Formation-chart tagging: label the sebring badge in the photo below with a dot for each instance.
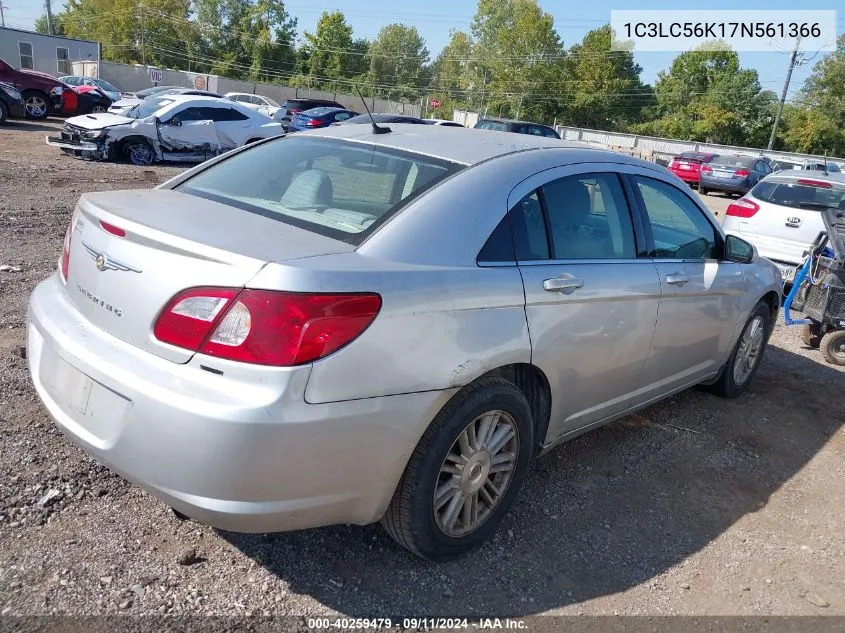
(104, 262)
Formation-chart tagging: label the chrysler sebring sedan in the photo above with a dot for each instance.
(350, 327)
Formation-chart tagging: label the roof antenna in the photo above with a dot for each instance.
(376, 128)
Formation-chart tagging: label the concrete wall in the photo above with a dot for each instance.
(133, 78)
(44, 50)
(465, 118)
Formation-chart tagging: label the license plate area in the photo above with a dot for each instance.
(787, 271)
(68, 386)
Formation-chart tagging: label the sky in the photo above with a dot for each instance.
(435, 18)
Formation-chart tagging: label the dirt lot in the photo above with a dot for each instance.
(694, 506)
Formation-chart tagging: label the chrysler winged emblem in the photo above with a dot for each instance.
(104, 262)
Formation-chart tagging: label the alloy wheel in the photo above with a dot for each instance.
(476, 473)
(35, 106)
(749, 350)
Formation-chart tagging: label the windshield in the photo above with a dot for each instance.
(799, 196)
(270, 102)
(337, 188)
(104, 85)
(148, 107)
(733, 161)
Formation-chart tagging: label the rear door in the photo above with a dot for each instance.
(591, 303)
(700, 293)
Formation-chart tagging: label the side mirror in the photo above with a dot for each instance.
(739, 251)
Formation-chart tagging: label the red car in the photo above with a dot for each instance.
(687, 166)
(34, 86)
(73, 100)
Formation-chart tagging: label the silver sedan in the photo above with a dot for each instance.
(347, 327)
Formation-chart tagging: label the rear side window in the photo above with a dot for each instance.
(340, 189)
(793, 194)
(499, 126)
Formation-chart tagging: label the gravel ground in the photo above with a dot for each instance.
(694, 506)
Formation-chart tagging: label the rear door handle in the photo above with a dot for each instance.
(563, 284)
(677, 279)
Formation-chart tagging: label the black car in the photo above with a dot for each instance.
(519, 127)
(294, 106)
(11, 103)
(385, 118)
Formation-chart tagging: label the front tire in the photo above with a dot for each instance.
(703, 190)
(36, 104)
(138, 152)
(465, 472)
(833, 347)
(738, 372)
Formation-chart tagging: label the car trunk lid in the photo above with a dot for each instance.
(132, 251)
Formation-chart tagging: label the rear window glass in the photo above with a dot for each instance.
(499, 126)
(791, 194)
(340, 189)
(733, 161)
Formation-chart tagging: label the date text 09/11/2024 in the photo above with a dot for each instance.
(721, 29)
(418, 624)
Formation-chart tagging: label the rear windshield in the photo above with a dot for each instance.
(733, 161)
(336, 188)
(499, 126)
(792, 194)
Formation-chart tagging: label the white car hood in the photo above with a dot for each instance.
(98, 121)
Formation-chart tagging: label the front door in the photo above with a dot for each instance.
(701, 293)
(591, 303)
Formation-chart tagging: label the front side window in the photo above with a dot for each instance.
(63, 60)
(220, 114)
(25, 50)
(679, 228)
(589, 217)
(341, 189)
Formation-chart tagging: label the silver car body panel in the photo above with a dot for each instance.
(253, 448)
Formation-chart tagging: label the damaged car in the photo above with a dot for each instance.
(170, 128)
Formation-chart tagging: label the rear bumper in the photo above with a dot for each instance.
(720, 184)
(687, 176)
(240, 454)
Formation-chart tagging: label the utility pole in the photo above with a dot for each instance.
(143, 47)
(2, 17)
(49, 17)
(792, 64)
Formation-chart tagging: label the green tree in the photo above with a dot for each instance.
(450, 74)
(518, 59)
(398, 58)
(58, 24)
(603, 87)
(327, 50)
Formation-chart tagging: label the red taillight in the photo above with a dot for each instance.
(742, 173)
(312, 123)
(706, 170)
(674, 163)
(265, 327)
(814, 183)
(742, 208)
(114, 230)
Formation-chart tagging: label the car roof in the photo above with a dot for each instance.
(836, 178)
(474, 147)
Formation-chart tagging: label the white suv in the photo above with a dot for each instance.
(781, 214)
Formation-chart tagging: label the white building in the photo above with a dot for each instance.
(45, 53)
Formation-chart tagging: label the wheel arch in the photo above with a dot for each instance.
(534, 385)
(773, 300)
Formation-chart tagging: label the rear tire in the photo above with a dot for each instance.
(450, 499)
(811, 336)
(739, 371)
(833, 347)
(36, 104)
(703, 190)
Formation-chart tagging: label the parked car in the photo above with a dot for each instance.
(781, 215)
(178, 128)
(256, 102)
(820, 165)
(732, 174)
(382, 117)
(293, 106)
(334, 327)
(443, 122)
(519, 127)
(108, 89)
(149, 92)
(73, 100)
(35, 88)
(687, 165)
(11, 103)
(124, 105)
(319, 117)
